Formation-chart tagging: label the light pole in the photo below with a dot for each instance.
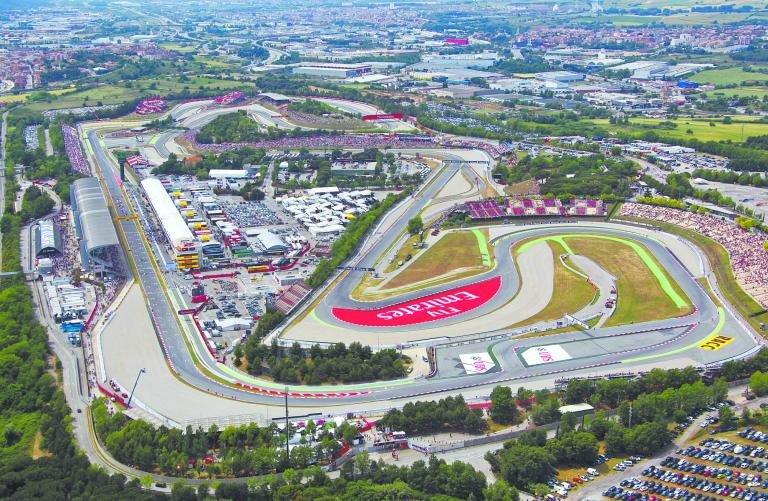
(287, 431)
(141, 371)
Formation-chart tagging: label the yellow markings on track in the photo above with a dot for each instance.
(716, 343)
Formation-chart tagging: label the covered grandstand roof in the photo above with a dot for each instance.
(95, 219)
(47, 238)
(176, 230)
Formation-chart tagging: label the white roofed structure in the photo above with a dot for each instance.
(174, 227)
(228, 173)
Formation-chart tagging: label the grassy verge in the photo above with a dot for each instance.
(455, 251)
(640, 294)
(571, 292)
(721, 266)
(405, 249)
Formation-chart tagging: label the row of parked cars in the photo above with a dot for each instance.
(716, 472)
(753, 435)
(707, 485)
(627, 463)
(649, 490)
(738, 473)
(562, 488)
(727, 460)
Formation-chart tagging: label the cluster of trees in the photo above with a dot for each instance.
(758, 383)
(240, 451)
(35, 204)
(251, 191)
(30, 401)
(347, 243)
(239, 128)
(337, 363)
(363, 479)
(530, 460)
(530, 64)
(592, 175)
(236, 159)
(742, 178)
(662, 201)
(252, 450)
(421, 418)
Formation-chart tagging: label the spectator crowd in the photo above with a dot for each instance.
(73, 149)
(749, 258)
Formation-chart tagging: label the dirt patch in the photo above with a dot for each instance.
(37, 450)
(529, 187)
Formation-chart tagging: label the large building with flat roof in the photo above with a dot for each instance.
(93, 223)
(333, 70)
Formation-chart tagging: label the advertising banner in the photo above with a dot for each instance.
(477, 363)
(426, 309)
(538, 355)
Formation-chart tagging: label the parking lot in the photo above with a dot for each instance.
(733, 465)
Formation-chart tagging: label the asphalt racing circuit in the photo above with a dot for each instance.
(465, 321)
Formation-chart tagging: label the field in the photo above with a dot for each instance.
(728, 76)
(105, 94)
(193, 83)
(571, 292)
(700, 128)
(455, 251)
(640, 296)
(118, 94)
(178, 48)
(747, 91)
(18, 98)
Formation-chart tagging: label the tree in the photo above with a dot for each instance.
(415, 225)
(615, 440)
(503, 406)
(501, 491)
(522, 465)
(647, 438)
(727, 418)
(758, 383)
(567, 423)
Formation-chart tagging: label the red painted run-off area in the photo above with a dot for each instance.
(426, 309)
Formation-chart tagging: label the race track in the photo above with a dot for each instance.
(525, 286)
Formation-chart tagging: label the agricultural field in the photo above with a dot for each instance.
(700, 128)
(728, 76)
(749, 91)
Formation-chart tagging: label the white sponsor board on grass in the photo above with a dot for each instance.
(545, 354)
(477, 363)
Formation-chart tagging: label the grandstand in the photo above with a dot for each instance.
(229, 98)
(534, 207)
(151, 105)
(292, 296)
